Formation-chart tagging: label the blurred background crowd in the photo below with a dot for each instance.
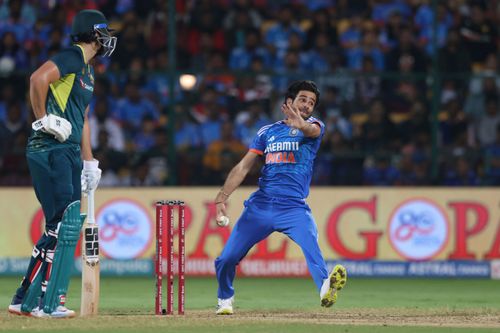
(410, 88)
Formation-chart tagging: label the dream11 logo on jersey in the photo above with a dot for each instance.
(125, 229)
(418, 229)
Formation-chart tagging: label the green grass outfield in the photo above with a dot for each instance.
(281, 305)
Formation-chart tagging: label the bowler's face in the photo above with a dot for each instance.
(305, 102)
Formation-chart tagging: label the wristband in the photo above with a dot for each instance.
(91, 165)
(224, 193)
(39, 124)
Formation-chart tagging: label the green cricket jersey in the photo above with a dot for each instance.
(67, 98)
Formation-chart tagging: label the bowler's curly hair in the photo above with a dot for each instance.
(297, 86)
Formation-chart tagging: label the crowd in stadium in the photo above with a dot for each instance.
(375, 62)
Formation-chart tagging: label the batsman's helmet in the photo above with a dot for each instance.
(90, 25)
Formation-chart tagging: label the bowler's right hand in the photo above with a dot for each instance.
(220, 209)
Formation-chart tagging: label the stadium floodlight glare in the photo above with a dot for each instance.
(187, 81)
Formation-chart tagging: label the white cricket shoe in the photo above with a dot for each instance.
(225, 306)
(60, 312)
(16, 309)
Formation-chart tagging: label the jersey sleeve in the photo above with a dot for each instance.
(258, 144)
(313, 120)
(68, 61)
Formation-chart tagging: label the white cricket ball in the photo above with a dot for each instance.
(222, 221)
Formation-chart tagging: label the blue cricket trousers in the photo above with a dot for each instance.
(262, 216)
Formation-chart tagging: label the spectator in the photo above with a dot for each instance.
(319, 55)
(368, 84)
(19, 25)
(378, 130)
(145, 137)
(221, 155)
(10, 49)
(480, 35)
(486, 125)
(424, 20)
(453, 57)
(382, 9)
(132, 43)
(322, 24)
(492, 154)
(406, 52)
(101, 120)
(485, 85)
(250, 121)
(278, 36)
(389, 36)
(460, 173)
(205, 29)
(241, 57)
(351, 37)
(369, 47)
(156, 30)
(418, 121)
(454, 126)
(381, 173)
(132, 108)
(188, 148)
(7, 97)
(239, 20)
(157, 158)
(114, 163)
(13, 124)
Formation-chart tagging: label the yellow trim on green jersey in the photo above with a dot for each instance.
(83, 53)
(62, 88)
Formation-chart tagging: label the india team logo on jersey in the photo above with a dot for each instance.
(293, 132)
(281, 152)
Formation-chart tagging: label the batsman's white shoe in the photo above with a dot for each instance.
(60, 312)
(335, 282)
(225, 306)
(16, 309)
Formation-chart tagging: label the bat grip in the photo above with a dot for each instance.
(90, 208)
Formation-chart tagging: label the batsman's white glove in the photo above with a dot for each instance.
(91, 174)
(59, 127)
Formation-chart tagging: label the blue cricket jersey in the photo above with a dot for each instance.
(289, 158)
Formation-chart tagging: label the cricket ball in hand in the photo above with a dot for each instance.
(222, 221)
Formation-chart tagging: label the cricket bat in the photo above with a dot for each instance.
(90, 262)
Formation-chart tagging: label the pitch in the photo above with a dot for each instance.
(282, 305)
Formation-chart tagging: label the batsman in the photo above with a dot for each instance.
(60, 92)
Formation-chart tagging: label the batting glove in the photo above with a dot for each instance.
(91, 174)
(59, 127)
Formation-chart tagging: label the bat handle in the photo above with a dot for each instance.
(90, 208)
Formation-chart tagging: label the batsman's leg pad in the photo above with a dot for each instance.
(36, 273)
(69, 233)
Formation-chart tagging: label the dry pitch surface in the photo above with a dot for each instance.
(282, 305)
(206, 321)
